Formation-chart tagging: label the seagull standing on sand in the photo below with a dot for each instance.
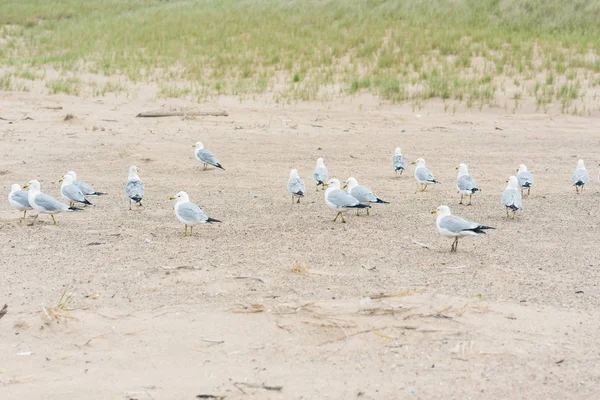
(43, 203)
(465, 183)
(339, 200)
(19, 199)
(456, 227)
(296, 185)
(361, 193)
(320, 175)
(525, 179)
(511, 198)
(206, 157)
(188, 213)
(134, 187)
(580, 177)
(398, 162)
(423, 175)
(71, 192)
(86, 188)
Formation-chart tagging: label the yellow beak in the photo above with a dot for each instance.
(325, 185)
(414, 163)
(26, 186)
(345, 186)
(193, 145)
(456, 168)
(171, 198)
(507, 181)
(60, 181)
(433, 211)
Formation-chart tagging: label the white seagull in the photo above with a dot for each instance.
(85, 187)
(206, 157)
(525, 179)
(296, 185)
(188, 213)
(511, 197)
(580, 177)
(339, 200)
(134, 187)
(465, 183)
(320, 175)
(456, 227)
(423, 175)
(19, 199)
(43, 203)
(398, 161)
(361, 193)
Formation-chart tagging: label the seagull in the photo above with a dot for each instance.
(456, 227)
(580, 177)
(465, 183)
(398, 162)
(511, 198)
(296, 186)
(134, 187)
(19, 199)
(71, 192)
(423, 175)
(188, 213)
(206, 157)
(320, 174)
(43, 203)
(361, 193)
(525, 179)
(86, 188)
(339, 200)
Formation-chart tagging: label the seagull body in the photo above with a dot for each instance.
(134, 187)
(296, 185)
(71, 192)
(206, 157)
(452, 226)
(423, 175)
(465, 183)
(339, 200)
(525, 179)
(19, 199)
(361, 193)
(85, 188)
(511, 198)
(43, 203)
(580, 177)
(398, 161)
(320, 175)
(189, 213)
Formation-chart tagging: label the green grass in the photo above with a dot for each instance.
(410, 50)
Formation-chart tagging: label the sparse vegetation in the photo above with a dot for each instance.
(460, 50)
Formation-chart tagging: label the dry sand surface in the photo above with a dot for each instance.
(514, 314)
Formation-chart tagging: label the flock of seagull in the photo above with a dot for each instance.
(352, 196)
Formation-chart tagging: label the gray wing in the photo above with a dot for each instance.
(73, 193)
(399, 162)
(466, 182)
(135, 189)
(296, 186)
(49, 203)
(580, 175)
(21, 197)
(191, 212)
(424, 174)
(84, 187)
(512, 197)
(363, 194)
(525, 179)
(342, 199)
(320, 175)
(456, 224)
(207, 157)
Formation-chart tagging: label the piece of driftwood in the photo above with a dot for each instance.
(182, 113)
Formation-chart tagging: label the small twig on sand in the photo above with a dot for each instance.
(3, 311)
(168, 268)
(255, 386)
(425, 246)
(209, 396)
(187, 113)
(212, 340)
(250, 277)
(95, 337)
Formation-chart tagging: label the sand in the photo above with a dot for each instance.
(514, 314)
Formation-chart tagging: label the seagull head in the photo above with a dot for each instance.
(398, 151)
(33, 186)
(442, 211)
(294, 174)
(462, 169)
(15, 187)
(333, 184)
(580, 164)
(351, 183)
(320, 162)
(419, 162)
(72, 174)
(181, 197)
(66, 180)
(198, 146)
(522, 168)
(133, 172)
(513, 183)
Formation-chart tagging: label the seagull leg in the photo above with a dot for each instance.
(577, 189)
(343, 220)
(461, 198)
(297, 201)
(24, 213)
(456, 244)
(368, 212)
(507, 212)
(53, 219)
(34, 218)
(337, 215)
(191, 227)
(396, 171)
(470, 199)
(522, 194)
(129, 204)
(528, 191)
(401, 171)
(292, 199)
(424, 187)
(357, 214)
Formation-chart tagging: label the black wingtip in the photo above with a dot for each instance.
(137, 199)
(579, 183)
(399, 169)
(299, 193)
(513, 207)
(99, 194)
(527, 185)
(382, 201)
(87, 203)
(219, 166)
(211, 220)
(75, 209)
(475, 190)
(360, 206)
